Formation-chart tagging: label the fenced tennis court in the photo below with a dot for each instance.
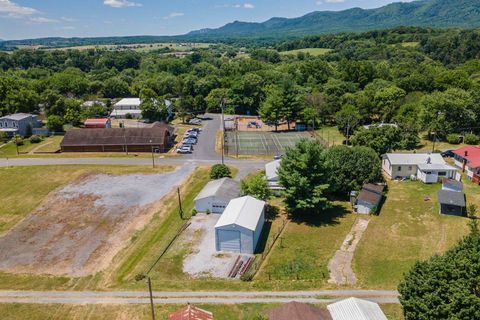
(258, 143)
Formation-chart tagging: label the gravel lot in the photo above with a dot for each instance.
(79, 228)
(204, 260)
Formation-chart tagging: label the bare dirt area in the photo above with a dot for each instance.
(79, 228)
(204, 260)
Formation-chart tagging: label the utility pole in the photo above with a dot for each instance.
(125, 139)
(16, 143)
(180, 203)
(222, 105)
(151, 297)
(153, 158)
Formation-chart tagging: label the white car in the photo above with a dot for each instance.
(185, 149)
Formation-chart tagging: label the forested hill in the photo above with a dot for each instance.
(426, 13)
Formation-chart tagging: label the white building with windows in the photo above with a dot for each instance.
(240, 226)
(427, 167)
(271, 173)
(131, 106)
(216, 195)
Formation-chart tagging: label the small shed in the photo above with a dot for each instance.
(271, 173)
(297, 311)
(216, 195)
(452, 185)
(369, 198)
(356, 309)
(240, 226)
(452, 202)
(191, 313)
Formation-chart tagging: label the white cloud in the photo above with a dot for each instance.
(174, 15)
(67, 19)
(237, 6)
(12, 8)
(121, 3)
(68, 28)
(43, 20)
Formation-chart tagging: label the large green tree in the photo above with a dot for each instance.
(350, 167)
(445, 286)
(303, 175)
(255, 185)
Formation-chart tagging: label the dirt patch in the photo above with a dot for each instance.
(79, 228)
(204, 260)
(340, 267)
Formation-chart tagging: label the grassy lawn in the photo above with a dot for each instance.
(18, 311)
(427, 145)
(300, 259)
(408, 228)
(331, 135)
(311, 51)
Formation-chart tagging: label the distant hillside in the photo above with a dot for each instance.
(425, 13)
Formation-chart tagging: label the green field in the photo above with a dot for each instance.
(140, 47)
(331, 135)
(311, 51)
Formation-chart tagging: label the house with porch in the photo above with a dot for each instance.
(468, 159)
(19, 123)
(427, 167)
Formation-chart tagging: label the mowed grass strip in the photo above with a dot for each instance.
(408, 228)
(300, 258)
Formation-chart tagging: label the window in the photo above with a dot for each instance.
(410, 168)
(399, 169)
(442, 173)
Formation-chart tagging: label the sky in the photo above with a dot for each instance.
(26, 19)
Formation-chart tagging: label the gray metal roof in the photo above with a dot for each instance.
(414, 158)
(436, 167)
(17, 116)
(245, 212)
(453, 198)
(271, 170)
(224, 188)
(453, 184)
(356, 309)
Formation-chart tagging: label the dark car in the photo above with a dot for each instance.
(447, 154)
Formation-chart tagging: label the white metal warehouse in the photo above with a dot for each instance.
(356, 309)
(240, 226)
(215, 196)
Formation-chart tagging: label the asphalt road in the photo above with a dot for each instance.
(218, 297)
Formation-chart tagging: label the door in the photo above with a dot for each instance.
(229, 240)
(218, 207)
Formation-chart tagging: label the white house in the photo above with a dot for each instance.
(355, 309)
(240, 226)
(131, 106)
(216, 195)
(427, 167)
(271, 173)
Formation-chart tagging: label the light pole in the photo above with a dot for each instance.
(151, 297)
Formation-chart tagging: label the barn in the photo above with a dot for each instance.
(240, 226)
(157, 138)
(355, 309)
(97, 123)
(216, 195)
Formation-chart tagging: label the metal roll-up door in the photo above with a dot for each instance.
(229, 240)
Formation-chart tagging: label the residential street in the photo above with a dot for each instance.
(220, 297)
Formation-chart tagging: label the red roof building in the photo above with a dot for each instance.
(468, 158)
(191, 313)
(97, 123)
(297, 311)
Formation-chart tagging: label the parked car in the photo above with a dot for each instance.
(447, 154)
(189, 141)
(185, 149)
(277, 157)
(197, 130)
(195, 121)
(192, 134)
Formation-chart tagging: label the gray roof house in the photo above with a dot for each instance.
(216, 195)
(356, 309)
(452, 202)
(19, 123)
(369, 198)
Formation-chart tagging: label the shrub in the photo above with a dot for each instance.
(18, 141)
(471, 138)
(453, 138)
(140, 276)
(35, 139)
(207, 211)
(219, 171)
(128, 116)
(55, 123)
(194, 212)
